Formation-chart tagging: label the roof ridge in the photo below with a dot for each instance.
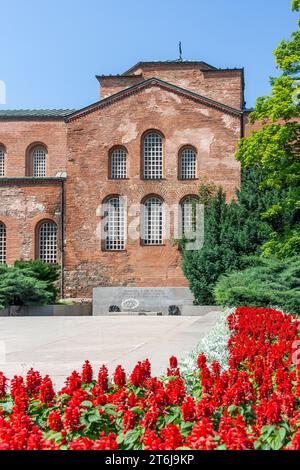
(177, 61)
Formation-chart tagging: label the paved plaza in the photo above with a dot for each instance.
(58, 345)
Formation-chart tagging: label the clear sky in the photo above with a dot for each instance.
(50, 50)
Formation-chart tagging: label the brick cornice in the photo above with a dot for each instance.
(27, 180)
(149, 83)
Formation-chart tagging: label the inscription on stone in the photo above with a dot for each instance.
(140, 299)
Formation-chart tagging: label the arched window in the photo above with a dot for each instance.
(152, 223)
(38, 162)
(188, 163)
(2, 243)
(118, 168)
(188, 215)
(114, 227)
(47, 242)
(2, 161)
(153, 156)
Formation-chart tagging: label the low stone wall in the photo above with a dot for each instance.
(140, 299)
(77, 310)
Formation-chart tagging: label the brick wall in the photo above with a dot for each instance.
(23, 206)
(212, 132)
(18, 136)
(224, 86)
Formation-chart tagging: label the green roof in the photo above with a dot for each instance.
(35, 113)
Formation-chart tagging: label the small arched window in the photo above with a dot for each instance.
(2, 243)
(114, 220)
(38, 162)
(153, 155)
(47, 242)
(152, 222)
(2, 161)
(188, 163)
(188, 215)
(118, 167)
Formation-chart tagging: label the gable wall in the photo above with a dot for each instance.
(90, 138)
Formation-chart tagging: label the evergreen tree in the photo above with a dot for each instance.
(231, 231)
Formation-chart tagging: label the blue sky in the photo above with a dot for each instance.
(51, 50)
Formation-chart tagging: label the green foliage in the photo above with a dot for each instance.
(231, 231)
(28, 283)
(265, 282)
(295, 5)
(48, 273)
(275, 147)
(17, 288)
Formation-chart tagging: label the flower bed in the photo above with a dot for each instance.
(254, 404)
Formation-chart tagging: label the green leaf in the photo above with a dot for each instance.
(87, 404)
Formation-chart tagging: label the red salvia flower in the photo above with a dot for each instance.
(87, 373)
(103, 378)
(47, 393)
(120, 377)
(54, 421)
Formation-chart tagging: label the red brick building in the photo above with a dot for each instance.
(157, 130)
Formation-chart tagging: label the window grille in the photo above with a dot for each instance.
(188, 164)
(2, 243)
(188, 213)
(118, 164)
(48, 242)
(114, 224)
(153, 156)
(39, 163)
(2, 162)
(153, 221)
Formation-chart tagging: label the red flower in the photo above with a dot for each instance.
(173, 362)
(171, 436)
(3, 385)
(106, 442)
(202, 436)
(81, 443)
(47, 393)
(72, 418)
(188, 409)
(54, 421)
(175, 391)
(16, 384)
(72, 383)
(119, 377)
(129, 420)
(103, 378)
(33, 381)
(150, 418)
(150, 440)
(87, 373)
(295, 445)
(201, 361)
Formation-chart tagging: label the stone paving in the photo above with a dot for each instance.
(58, 345)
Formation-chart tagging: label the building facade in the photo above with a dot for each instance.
(74, 183)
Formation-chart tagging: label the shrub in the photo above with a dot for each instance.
(17, 288)
(28, 283)
(48, 273)
(265, 281)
